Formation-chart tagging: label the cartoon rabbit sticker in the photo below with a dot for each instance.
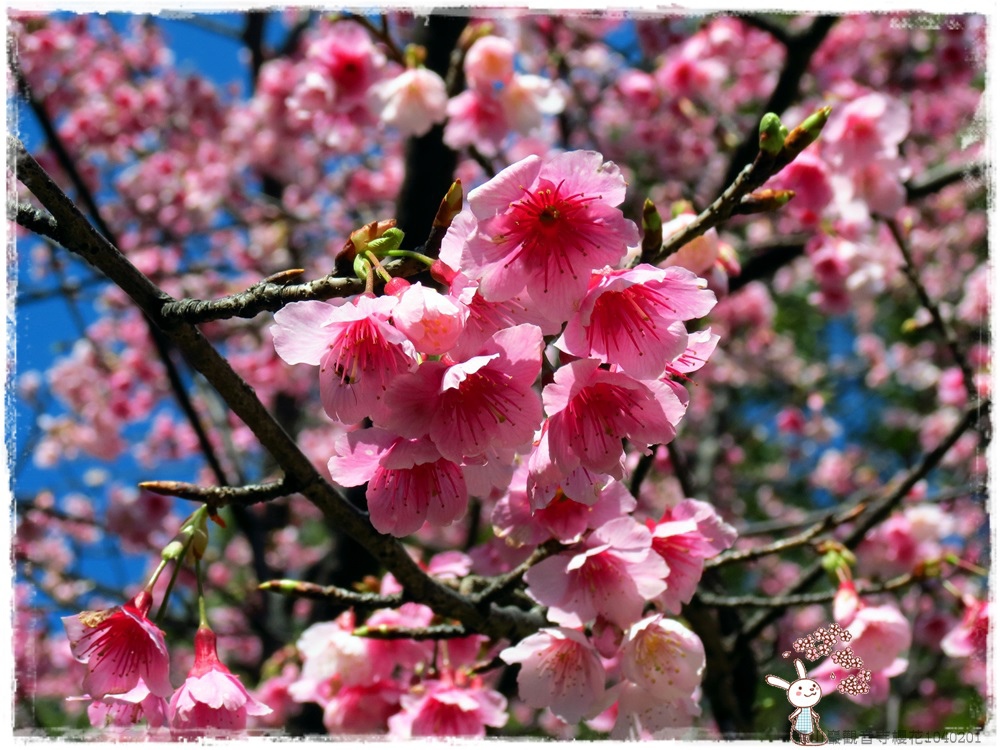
(803, 693)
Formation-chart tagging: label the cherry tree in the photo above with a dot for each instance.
(498, 374)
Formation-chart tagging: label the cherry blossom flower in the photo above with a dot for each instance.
(631, 318)
(969, 637)
(442, 708)
(409, 482)
(474, 409)
(591, 410)
(413, 101)
(120, 647)
(643, 715)
(663, 658)
(362, 709)
(685, 537)
(211, 698)
(560, 670)
(613, 573)
(432, 321)
(548, 223)
(129, 708)
(358, 352)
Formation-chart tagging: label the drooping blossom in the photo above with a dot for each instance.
(442, 708)
(641, 715)
(685, 537)
(613, 573)
(547, 224)
(474, 409)
(358, 352)
(127, 709)
(591, 410)
(563, 518)
(631, 317)
(212, 697)
(409, 482)
(560, 670)
(663, 657)
(120, 647)
(412, 102)
(969, 637)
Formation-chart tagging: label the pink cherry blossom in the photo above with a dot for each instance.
(613, 573)
(212, 698)
(560, 670)
(866, 129)
(685, 537)
(591, 410)
(431, 320)
(120, 647)
(409, 482)
(663, 657)
(412, 102)
(970, 636)
(358, 352)
(489, 63)
(129, 708)
(631, 318)
(698, 255)
(474, 409)
(362, 709)
(442, 708)
(643, 715)
(548, 223)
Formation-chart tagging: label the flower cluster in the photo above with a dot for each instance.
(128, 678)
(821, 641)
(847, 659)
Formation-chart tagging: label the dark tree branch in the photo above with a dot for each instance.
(942, 177)
(800, 48)
(82, 239)
(877, 512)
(429, 164)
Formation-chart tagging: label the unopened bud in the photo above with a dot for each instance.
(414, 55)
(681, 207)
(763, 201)
(771, 139)
(652, 228)
(361, 238)
(442, 272)
(451, 205)
(396, 286)
(801, 137)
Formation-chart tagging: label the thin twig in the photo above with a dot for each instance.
(830, 521)
(220, 497)
(878, 511)
(910, 269)
(306, 590)
(796, 600)
(429, 633)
